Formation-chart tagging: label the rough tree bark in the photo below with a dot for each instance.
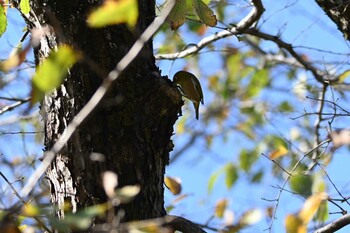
(132, 126)
(339, 12)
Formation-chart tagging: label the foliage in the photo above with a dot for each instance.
(272, 111)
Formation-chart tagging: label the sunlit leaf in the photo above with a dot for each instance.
(177, 15)
(231, 175)
(52, 72)
(212, 180)
(322, 214)
(318, 185)
(80, 220)
(204, 13)
(251, 217)
(169, 208)
(280, 151)
(301, 184)
(114, 12)
(344, 76)
(180, 125)
(173, 184)
(3, 20)
(311, 206)
(24, 6)
(127, 193)
(258, 81)
(246, 129)
(294, 224)
(220, 208)
(15, 59)
(30, 210)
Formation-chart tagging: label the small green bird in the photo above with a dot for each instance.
(190, 88)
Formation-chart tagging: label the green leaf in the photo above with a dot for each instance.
(212, 180)
(80, 220)
(52, 72)
(204, 13)
(231, 175)
(3, 20)
(257, 177)
(24, 6)
(247, 159)
(285, 106)
(177, 15)
(114, 12)
(322, 214)
(258, 81)
(301, 184)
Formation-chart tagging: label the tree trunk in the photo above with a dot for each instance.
(339, 13)
(130, 130)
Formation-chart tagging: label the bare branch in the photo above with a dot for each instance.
(14, 105)
(335, 225)
(241, 27)
(319, 119)
(288, 47)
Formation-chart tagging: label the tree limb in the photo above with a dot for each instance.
(183, 225)
(335, 225)
(243, 25)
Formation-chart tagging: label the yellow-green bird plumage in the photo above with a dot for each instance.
(190, 88)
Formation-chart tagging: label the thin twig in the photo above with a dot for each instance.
(272, 160)
(37, 219)
(13, 106)
(287, 179)
(319, 119)
(319, 76)
(334, 186)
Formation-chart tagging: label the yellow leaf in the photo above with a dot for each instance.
(114, 12)
(3, 20)
(177, 15)
(294, 224)
(311, 206)
(24, 6)
(127, 193)
(180, 126)
(343, 76)
(281, 151)
(204, 13)
(220, 208)
(30, 210)
(51, 73)
(173, 184)
(16, 58)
